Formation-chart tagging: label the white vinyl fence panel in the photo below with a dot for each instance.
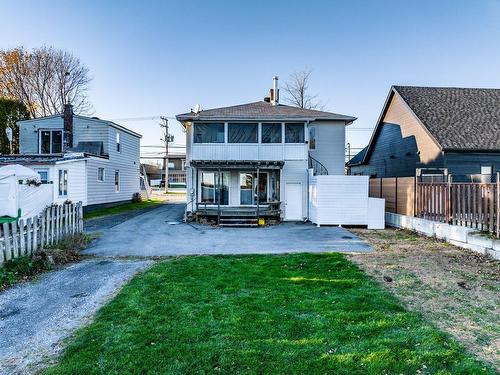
(27, 236)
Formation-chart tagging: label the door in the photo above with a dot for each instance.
(293, 201)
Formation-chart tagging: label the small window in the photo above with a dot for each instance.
(271, 133)
(63, 182)
(312, 138)
(117, 181)
(242, 133)
(44, 176)
(100, 174)
(50, 141)
(486, 169)
(208, 133)
(294, 133)
(117, 142)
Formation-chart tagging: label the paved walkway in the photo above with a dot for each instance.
(161, 233)
(35, 317)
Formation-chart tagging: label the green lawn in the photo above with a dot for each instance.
(124, 207)
(291, 314)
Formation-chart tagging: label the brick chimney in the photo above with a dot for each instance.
(68, 127)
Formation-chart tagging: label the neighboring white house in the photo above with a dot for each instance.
(252, 161)
(85, 158)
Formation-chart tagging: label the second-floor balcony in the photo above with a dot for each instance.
(241, 151)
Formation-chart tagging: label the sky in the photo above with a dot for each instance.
(152, 58)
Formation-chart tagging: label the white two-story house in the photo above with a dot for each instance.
(253, 160)
(85, 158)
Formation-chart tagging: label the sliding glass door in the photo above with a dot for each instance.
(214, 187)
(250, 189)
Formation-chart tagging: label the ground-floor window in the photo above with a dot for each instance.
(117, 181)
(215, 186)
(44, 175)
(265, 187)
(63, 182)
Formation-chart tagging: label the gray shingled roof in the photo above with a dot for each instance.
(458, 118)
(261, 111)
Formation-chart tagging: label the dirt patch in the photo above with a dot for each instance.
(456, 289)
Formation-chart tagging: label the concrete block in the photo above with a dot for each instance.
(493, 253)
(477, 239)
(496, 245)
(376, 217)
(425, 227)
(442, 231)
(475, 248)
(460, 234)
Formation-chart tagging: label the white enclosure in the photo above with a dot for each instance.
(15, 194)
(343, 200)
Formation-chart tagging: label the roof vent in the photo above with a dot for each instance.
(267, 99)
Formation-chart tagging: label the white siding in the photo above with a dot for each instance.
(28, 132)
(330, 145)
(85, 130)
(77, 176)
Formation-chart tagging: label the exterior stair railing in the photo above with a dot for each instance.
(318, 168)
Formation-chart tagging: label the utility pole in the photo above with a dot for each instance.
(166, 138)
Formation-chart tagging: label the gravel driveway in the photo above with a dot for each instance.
(35, 317)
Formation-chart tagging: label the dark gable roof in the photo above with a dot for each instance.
(458, 118)
(358, 158)
(261, 111)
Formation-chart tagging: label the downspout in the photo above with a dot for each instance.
(307, 179)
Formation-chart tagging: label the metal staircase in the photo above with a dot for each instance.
(318, 168)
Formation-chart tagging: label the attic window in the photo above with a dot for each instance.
(50, 141)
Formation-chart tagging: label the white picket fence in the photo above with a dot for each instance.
(28, 236)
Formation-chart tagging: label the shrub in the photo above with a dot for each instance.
(136, 198)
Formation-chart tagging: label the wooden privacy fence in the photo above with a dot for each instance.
(398, 192)
(26, 237)
(471, 204)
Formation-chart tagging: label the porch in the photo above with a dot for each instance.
(237, 193)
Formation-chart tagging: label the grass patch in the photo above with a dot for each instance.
(124, 207)
(292, 314)
(29, 267)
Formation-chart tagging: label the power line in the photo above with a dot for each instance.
(144, 118)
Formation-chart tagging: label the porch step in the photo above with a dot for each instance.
(240, 221)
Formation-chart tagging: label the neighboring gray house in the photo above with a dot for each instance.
(435, 129)
(87, 159)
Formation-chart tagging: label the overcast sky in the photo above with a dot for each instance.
(150, 58)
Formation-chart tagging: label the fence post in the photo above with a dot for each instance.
(80, 217)
(6, 237)
(22, 242)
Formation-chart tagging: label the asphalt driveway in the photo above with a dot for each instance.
(161, 232)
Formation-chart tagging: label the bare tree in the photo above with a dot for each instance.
(44, 79)
(297, 91)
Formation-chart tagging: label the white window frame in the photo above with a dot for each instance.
(313, 130)
(117, 181)
(64, 191)
(103, 174)
(118, 144)
(489, 167)
(46, 170)
(40, 130)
